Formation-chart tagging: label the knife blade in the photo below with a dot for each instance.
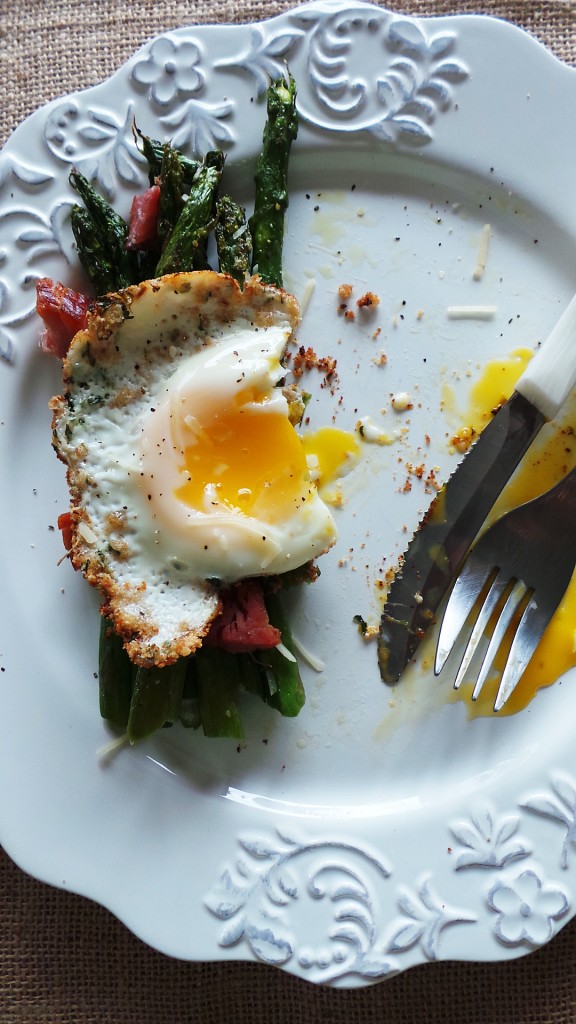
(457, 513)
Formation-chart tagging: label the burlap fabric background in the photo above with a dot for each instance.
(64, 960)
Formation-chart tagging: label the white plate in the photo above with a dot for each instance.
(379, 829)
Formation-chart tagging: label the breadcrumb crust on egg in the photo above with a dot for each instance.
(177, 312)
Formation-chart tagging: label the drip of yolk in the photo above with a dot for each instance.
(550, 457)
(245, 458)
(495, 385)
(492, 389)
(331, 453)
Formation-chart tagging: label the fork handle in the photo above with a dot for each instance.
(551, 374)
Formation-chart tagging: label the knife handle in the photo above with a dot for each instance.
(551, 373)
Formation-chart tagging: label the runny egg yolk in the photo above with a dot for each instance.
(548, 460)
(330, 452)
(245, 456)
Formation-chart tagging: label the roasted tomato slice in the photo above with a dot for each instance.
(65, 525)
(143, 226)
(63, 312)
(243, 624)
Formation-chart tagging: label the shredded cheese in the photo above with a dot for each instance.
(285, 652)
(482, 253)
(470, 312)
(109, 749)
(86, 533)
(307, 296)
(313, 466)
(307, 655)
(372, 433)
(401, 401)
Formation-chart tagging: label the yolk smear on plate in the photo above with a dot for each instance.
(551, 456)
(331, 453)
(493, 387)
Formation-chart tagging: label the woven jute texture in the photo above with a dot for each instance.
(64, 960)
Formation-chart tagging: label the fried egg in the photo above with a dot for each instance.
(185, 470)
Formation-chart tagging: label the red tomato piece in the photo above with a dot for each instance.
(63, 312)
(143, 226)
(243, 624)
(65, 525)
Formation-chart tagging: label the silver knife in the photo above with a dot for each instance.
(439, 546)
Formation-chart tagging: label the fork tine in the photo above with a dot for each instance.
(514, 598)
(466, 591)
(534, 542)
(497, 588)
(528, 635)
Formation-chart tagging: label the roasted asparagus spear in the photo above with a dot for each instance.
(271, 199)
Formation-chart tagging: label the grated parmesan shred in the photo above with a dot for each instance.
(86, 533)
(110, 749)
(482, 253)
(308, 656)
(470, 312)
(282, 649)
(307, 295)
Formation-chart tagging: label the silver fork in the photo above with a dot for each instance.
(521, 566)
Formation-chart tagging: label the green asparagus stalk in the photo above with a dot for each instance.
(252, 675)
(233, 239)
(154, 152)
(217, 679)
(115, 675)
(190, 707)
(186, 247)
(172, 190)
(100, 235)
(286, 690)
(271, 199)
(156, 699)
